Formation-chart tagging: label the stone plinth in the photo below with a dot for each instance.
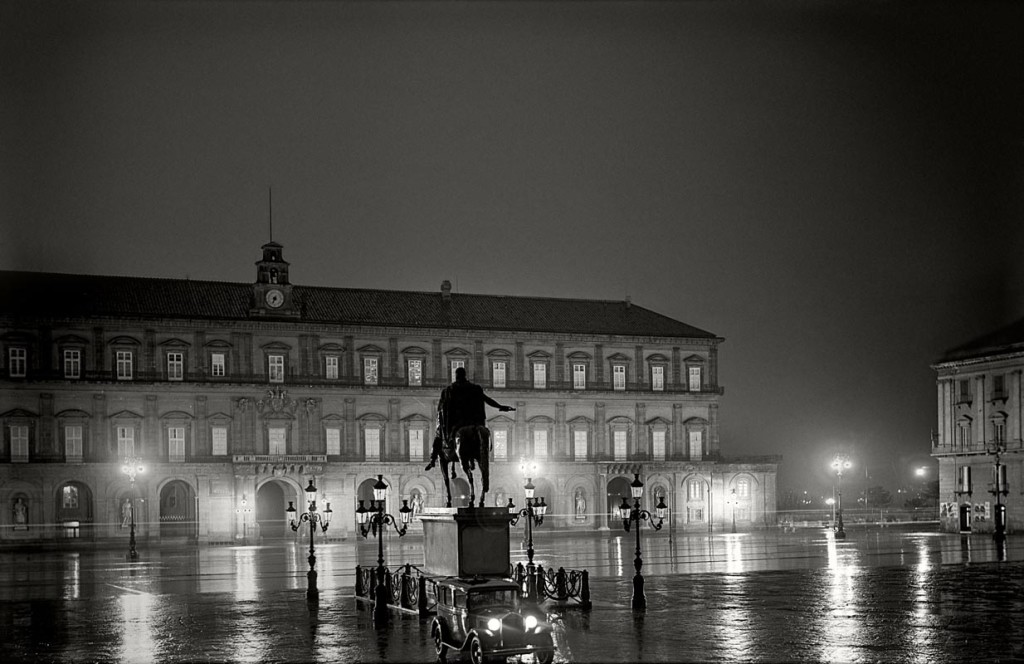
(466, 541)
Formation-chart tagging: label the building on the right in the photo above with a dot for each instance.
(978, 440)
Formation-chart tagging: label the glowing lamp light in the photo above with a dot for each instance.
(636, 487)
(624, 509)
(380, 489)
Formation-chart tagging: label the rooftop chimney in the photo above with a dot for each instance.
(629, 302)
(446, 290)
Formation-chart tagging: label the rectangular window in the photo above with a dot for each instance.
(619, 377)
(331, 367)
(457, 364)
(500, 440)
(176, 443)
(658, 379)
(217, 365)
(275, 368)
(333, 441)
(19, 444)
(619, 441)
(73, 443)
(999, 431)
(219, 439)
(416, 445)
(125, 442)
(17, 362)
(743, 488)
(540, 375)
(175, 366)
(579, 376)
(277, 441)
(695, 379)
(372, 444)
(694, 515)
(124, 365)
(69, 498)
(963, 436)
(415, 372)
(964, 387)
(658, 445)
(579, 445)
(965, 479)
(695, 490)
(369, 371)
(498, 374)
(696, 445)
(997, 387)
(540, 443)
(72, 364)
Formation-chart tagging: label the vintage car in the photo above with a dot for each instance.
(484, 616)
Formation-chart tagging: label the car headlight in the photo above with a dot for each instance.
(530, 622)
(494, 624)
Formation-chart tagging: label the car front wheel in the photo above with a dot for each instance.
(476, 651)
(543, 656)
(439, 645)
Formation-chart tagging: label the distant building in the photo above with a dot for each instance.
(233, 392)
(981, 409)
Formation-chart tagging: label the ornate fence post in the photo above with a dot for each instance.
(389, 584)
(405, 601)
(585, 590)
(421, 599)
(561, 591)
(360, 591)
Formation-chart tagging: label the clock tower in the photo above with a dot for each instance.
(272, 293)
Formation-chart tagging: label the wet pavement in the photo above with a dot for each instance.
(878, 596)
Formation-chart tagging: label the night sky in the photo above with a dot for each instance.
(837, 188)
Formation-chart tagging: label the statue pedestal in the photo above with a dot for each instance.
(466, 541)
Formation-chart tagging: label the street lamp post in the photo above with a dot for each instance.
(732, 508)
(634, 513)
(534, 513)
(840, 463)
(244, 510)
(374, 520)
(323, 519)
(1000, 488)
(131, 468)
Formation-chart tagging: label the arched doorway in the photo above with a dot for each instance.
(74, 510)
(617, 489)
(271, 522)
(177, 511)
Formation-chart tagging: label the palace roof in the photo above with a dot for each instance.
(55, 296)
(1008, 339)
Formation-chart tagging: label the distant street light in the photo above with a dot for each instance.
(634, 513)
(314, 518)
(131, 468)
(244, 510)
(1000, 488)
(832, 502)
(731, 501)
(840, 463)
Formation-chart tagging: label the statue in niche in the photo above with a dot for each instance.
(417, 503)
(126, 513)
(581, 504)
(20, 510)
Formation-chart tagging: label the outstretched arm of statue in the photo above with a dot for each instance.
(494, 404)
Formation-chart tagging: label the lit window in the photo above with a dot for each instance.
(498, 374)
(19, 444)
(579, 444)
(619, 438)
(415, 444)
(540, 375)
(500, 441)
(372, 444)
(696, 445)
(965, 479)
(658, 445)
(275, 368)
(175, 366)
(695, 379)
(331, 366)
(415, 372)
(540, 443)
(124, 364)
(619, 377)
(658, 378)
(579, 376)
(72, 364)
(176, 443)
(69, 497)
(125, 442)
(695, 490)
(17, 362)
(457, 364)
(219, 438)
(73, 443)
(369, 371)
(743, 488)
(277, 441)
(217, 365)
(333, 440)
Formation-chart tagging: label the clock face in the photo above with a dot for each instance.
(275, 298)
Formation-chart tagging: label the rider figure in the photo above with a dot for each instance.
(461, 404)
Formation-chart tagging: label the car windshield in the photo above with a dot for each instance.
(492, 598)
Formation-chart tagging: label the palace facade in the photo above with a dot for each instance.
(234, 396)
(978, 444)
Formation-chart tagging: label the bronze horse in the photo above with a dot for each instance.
(470, 445)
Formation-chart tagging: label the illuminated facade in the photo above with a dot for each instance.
(233, 392)
(981, 409)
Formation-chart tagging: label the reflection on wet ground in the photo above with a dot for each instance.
(876, 596)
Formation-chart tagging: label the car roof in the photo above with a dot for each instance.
(478, 583)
